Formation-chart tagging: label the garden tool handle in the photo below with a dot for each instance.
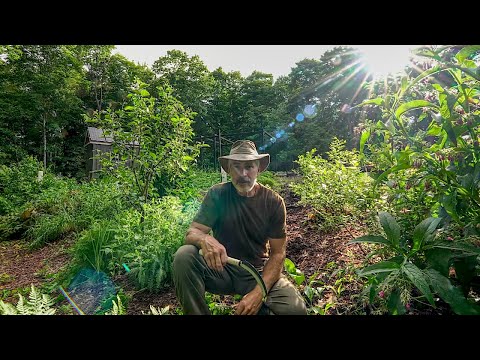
(230, 260)
(251, 269)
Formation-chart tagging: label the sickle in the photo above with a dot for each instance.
(251, 269)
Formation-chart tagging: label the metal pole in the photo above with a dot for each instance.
(202, 165)
(223, 174)
(215, 151)
(220, 142)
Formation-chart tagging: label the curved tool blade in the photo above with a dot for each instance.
(251, 269)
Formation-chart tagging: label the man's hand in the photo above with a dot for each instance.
(214, 253)
(250, 303)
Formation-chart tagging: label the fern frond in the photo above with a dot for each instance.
(117, 308)
(22, 307)
(7, 309)
(39, 304)
(159, 311)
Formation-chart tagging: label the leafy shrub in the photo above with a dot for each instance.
(268, 179)
(19, 184)
(335, 188)
(71, 207)
(91, 247)
(429, 126)
(194, 184)
(146, 244)
(417, 261)
(148, 247)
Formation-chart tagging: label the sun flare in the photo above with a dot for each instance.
(381, 60)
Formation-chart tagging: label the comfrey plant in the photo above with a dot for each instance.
(420, 262)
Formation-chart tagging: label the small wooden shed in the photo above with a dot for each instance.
(96, 143)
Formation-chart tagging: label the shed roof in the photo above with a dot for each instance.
(95, 135)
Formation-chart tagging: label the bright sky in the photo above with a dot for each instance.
(272, 59)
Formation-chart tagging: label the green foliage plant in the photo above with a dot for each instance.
(217, 306)
(194, 184)
(152, 146)
(69, 207)
(158, 311)
(336, 188)
(117, 307)
(146, 246)
(92, 247)
(428, 133)
(268, 179)
(37, 304)
(418, 261)
(310, 289)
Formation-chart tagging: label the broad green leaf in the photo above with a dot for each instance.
(290, 266)
(375, 239)
(465, 271)
(439, 259)
(415, 104)
(418, 278)
(380, 125)
(295, 273)
(309, 292)
(457, 245)
(299, 277)
(434, 129)
(403, 156)
(422, 231)
(363, 139)
(423, 75)
(447, 126)
(438, 87)
(444, 108)
(450, 294)
(449, 202)
(384, 266)
(466, 52)
(376, 101)
(391, 227)
(391, 170)
(470, 64)
(395, 305)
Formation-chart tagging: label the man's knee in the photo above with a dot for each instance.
(285, 299)
(184, 256)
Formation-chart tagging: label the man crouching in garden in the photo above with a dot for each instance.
(248, 222)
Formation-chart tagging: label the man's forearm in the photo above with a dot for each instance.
(195, 237)
(273, 269)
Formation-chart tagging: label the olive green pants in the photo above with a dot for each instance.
(192, 277)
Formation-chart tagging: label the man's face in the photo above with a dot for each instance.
(244, 175)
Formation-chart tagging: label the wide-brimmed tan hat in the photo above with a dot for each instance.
(245, 150)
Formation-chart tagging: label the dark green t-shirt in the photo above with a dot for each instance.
(243, 224)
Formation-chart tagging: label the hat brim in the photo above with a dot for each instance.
(264, 160)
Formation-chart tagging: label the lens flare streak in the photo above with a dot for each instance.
(77, 309)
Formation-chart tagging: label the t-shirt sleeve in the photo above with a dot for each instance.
(206, 215)
(278, 225)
